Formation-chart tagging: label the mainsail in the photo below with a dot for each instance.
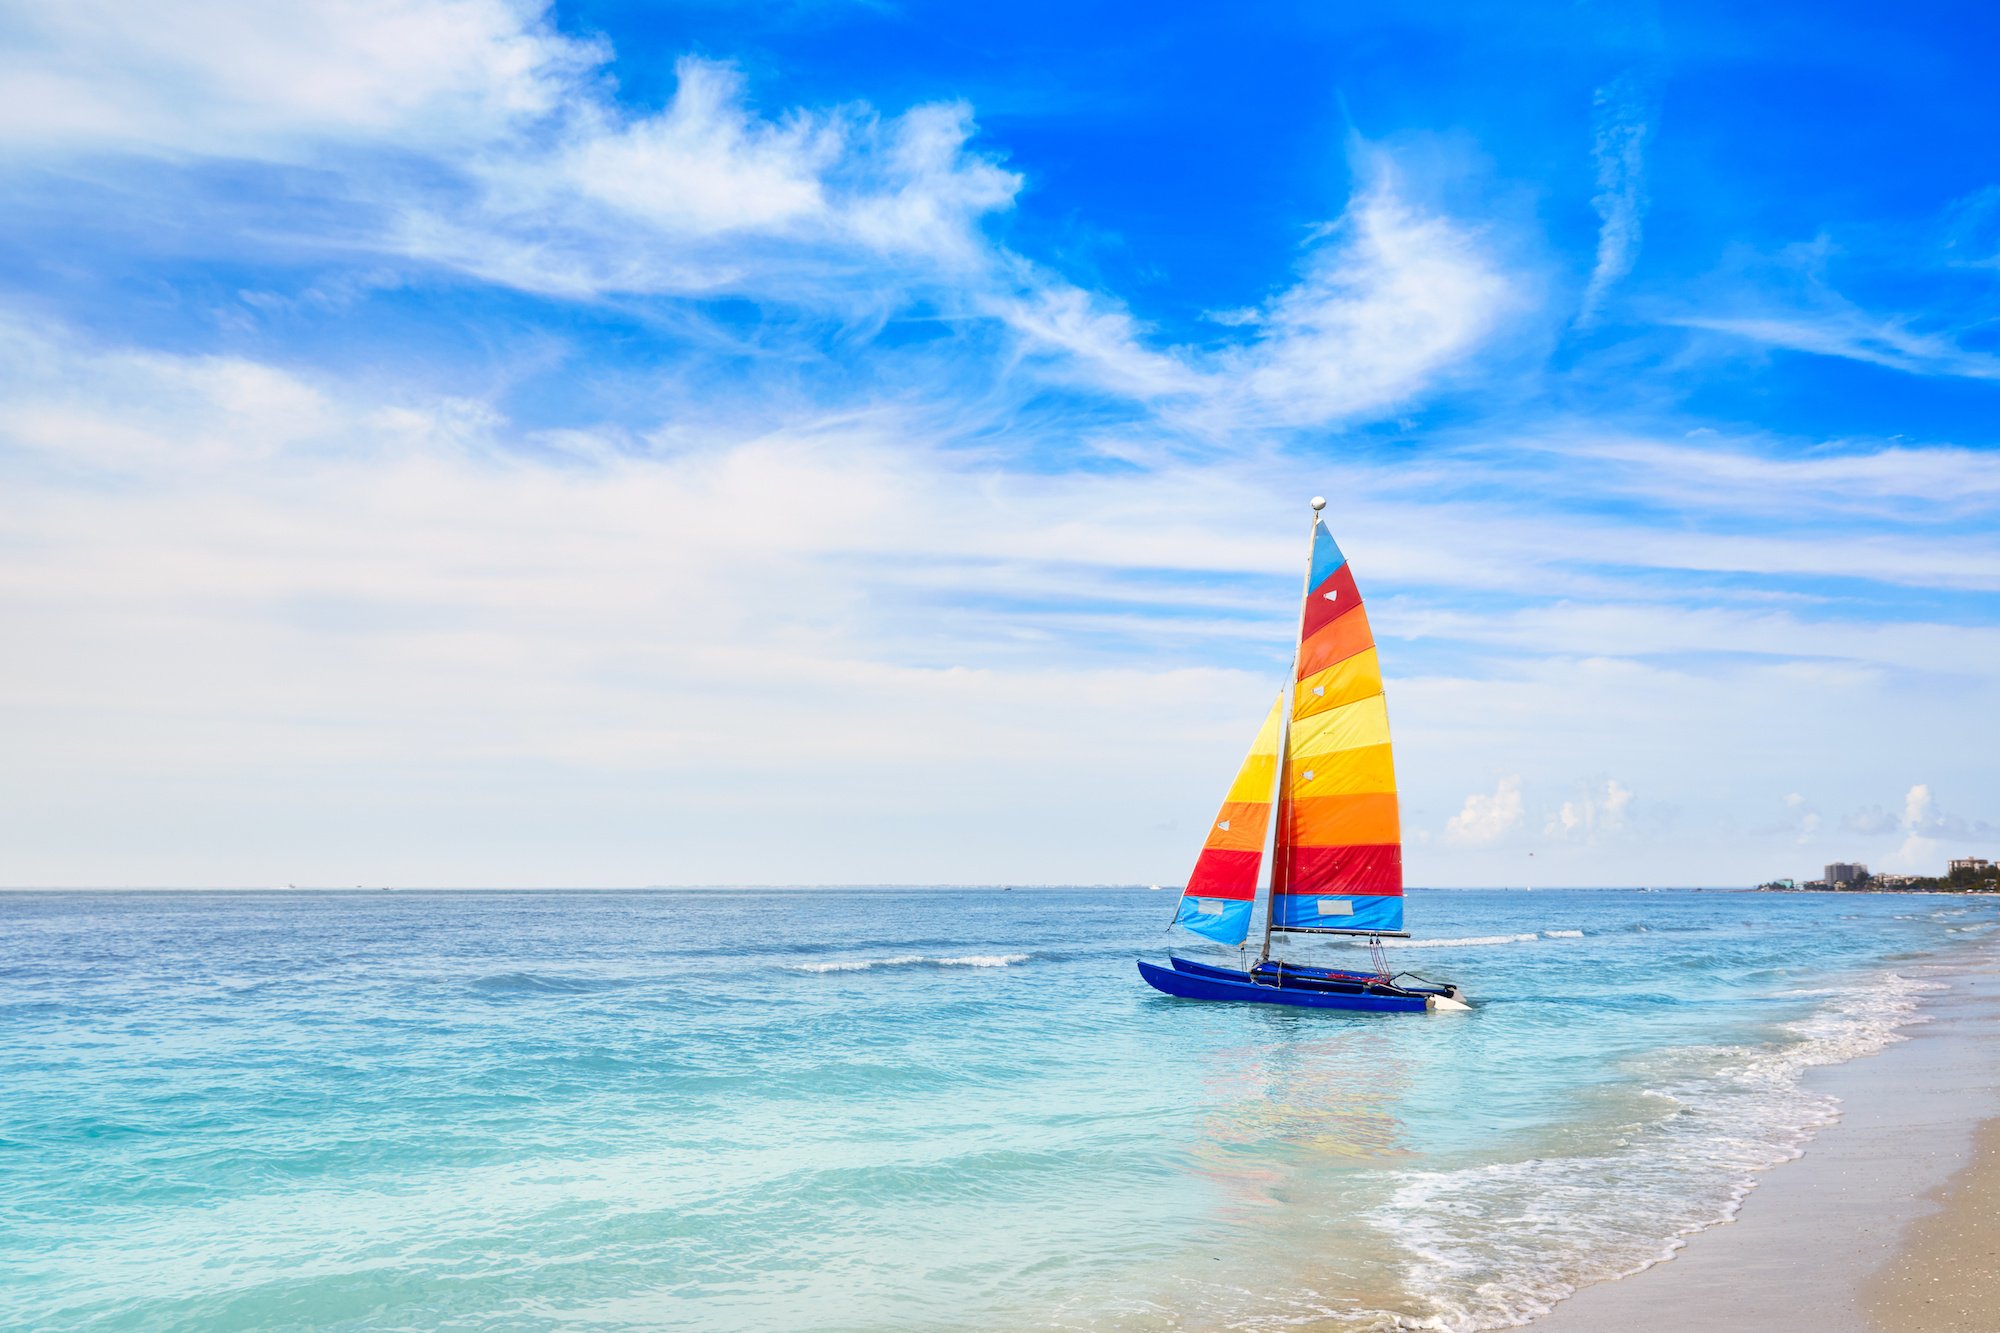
(1338, 861)
(1219, 895)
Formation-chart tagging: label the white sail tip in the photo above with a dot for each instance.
(1319, 503)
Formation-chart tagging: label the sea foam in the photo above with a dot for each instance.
(910, 960)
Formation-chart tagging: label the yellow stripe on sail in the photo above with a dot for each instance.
(1343, 683)
(1347, 773)
(1348, 727)
(1255, 779)
(1260, 767)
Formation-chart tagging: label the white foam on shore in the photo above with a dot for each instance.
(910, 960)
(1496, 1246)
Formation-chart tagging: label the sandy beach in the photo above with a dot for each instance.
(1946, 1273)
(1890, 1221)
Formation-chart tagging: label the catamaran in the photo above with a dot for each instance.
(1336, 851)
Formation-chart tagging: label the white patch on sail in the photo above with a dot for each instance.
(1222, 824)
(1336, 907)
(1333, 596)
(1320, 690)
(1208, 907)
(1309, 775)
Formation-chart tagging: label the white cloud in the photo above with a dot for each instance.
(233, 587)
(1926, 828)
(809, 208)
(278, 81)
(704, 164)
(1595, 810)
(1785, 479)
(1619, 151)
(1487, 817)
(1823, 322)
(1389, 298)
(1918, 848)
(471, 134)
(533, 175)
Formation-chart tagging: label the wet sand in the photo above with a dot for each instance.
(1946, 1275)
(1885, 1224)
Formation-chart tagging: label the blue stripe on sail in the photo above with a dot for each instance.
(1364, 911)
(1226, 922)
(1326, 555)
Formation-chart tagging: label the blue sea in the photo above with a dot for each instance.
(890, 1109)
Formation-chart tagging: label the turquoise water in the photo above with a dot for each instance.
(887, 1109)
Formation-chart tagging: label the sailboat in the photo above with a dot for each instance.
(1336, 852)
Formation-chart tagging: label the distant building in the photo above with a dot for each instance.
(1971, 864)
(1845, 872)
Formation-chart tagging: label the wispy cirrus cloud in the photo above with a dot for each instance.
(1621, 121)
(1854, 335)
(536, 177)
(1389, 297)
(707, 196)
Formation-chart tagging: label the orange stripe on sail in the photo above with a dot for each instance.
(1335, 642)
(1346, 821)
(1240, 826)
(1230, 856)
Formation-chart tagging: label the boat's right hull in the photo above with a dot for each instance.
(1209, 985)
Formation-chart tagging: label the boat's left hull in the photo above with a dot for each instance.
(1210, 985)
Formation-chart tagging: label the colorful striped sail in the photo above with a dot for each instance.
(1218, 899)
(1339, 855)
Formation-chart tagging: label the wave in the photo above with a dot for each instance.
(1562, 934)
(1555, 1224)
(537, 983)
(909, 960)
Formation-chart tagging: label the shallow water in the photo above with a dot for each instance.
(868, 1109)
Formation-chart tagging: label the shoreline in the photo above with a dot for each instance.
(1886, 1202)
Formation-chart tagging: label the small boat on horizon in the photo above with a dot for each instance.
(1336, 850)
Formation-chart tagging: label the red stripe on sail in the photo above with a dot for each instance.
(1368, 868)
(1334, 597)
(1221, 873)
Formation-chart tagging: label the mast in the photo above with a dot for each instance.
(1281, 852)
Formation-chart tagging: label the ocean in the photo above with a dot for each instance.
(890, 1109)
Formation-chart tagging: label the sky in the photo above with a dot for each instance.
(475, 442)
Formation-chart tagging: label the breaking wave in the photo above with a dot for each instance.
(1562, 1222)
(909, 960)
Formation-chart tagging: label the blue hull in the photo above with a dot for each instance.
(1196, 981)
(1193, 968)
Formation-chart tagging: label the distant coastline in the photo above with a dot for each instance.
(1969, 874)
(1928, 886)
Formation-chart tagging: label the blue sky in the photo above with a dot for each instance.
(458, 442)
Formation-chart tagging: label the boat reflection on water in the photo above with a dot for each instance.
(1304, 1098)
(1307, 1131)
